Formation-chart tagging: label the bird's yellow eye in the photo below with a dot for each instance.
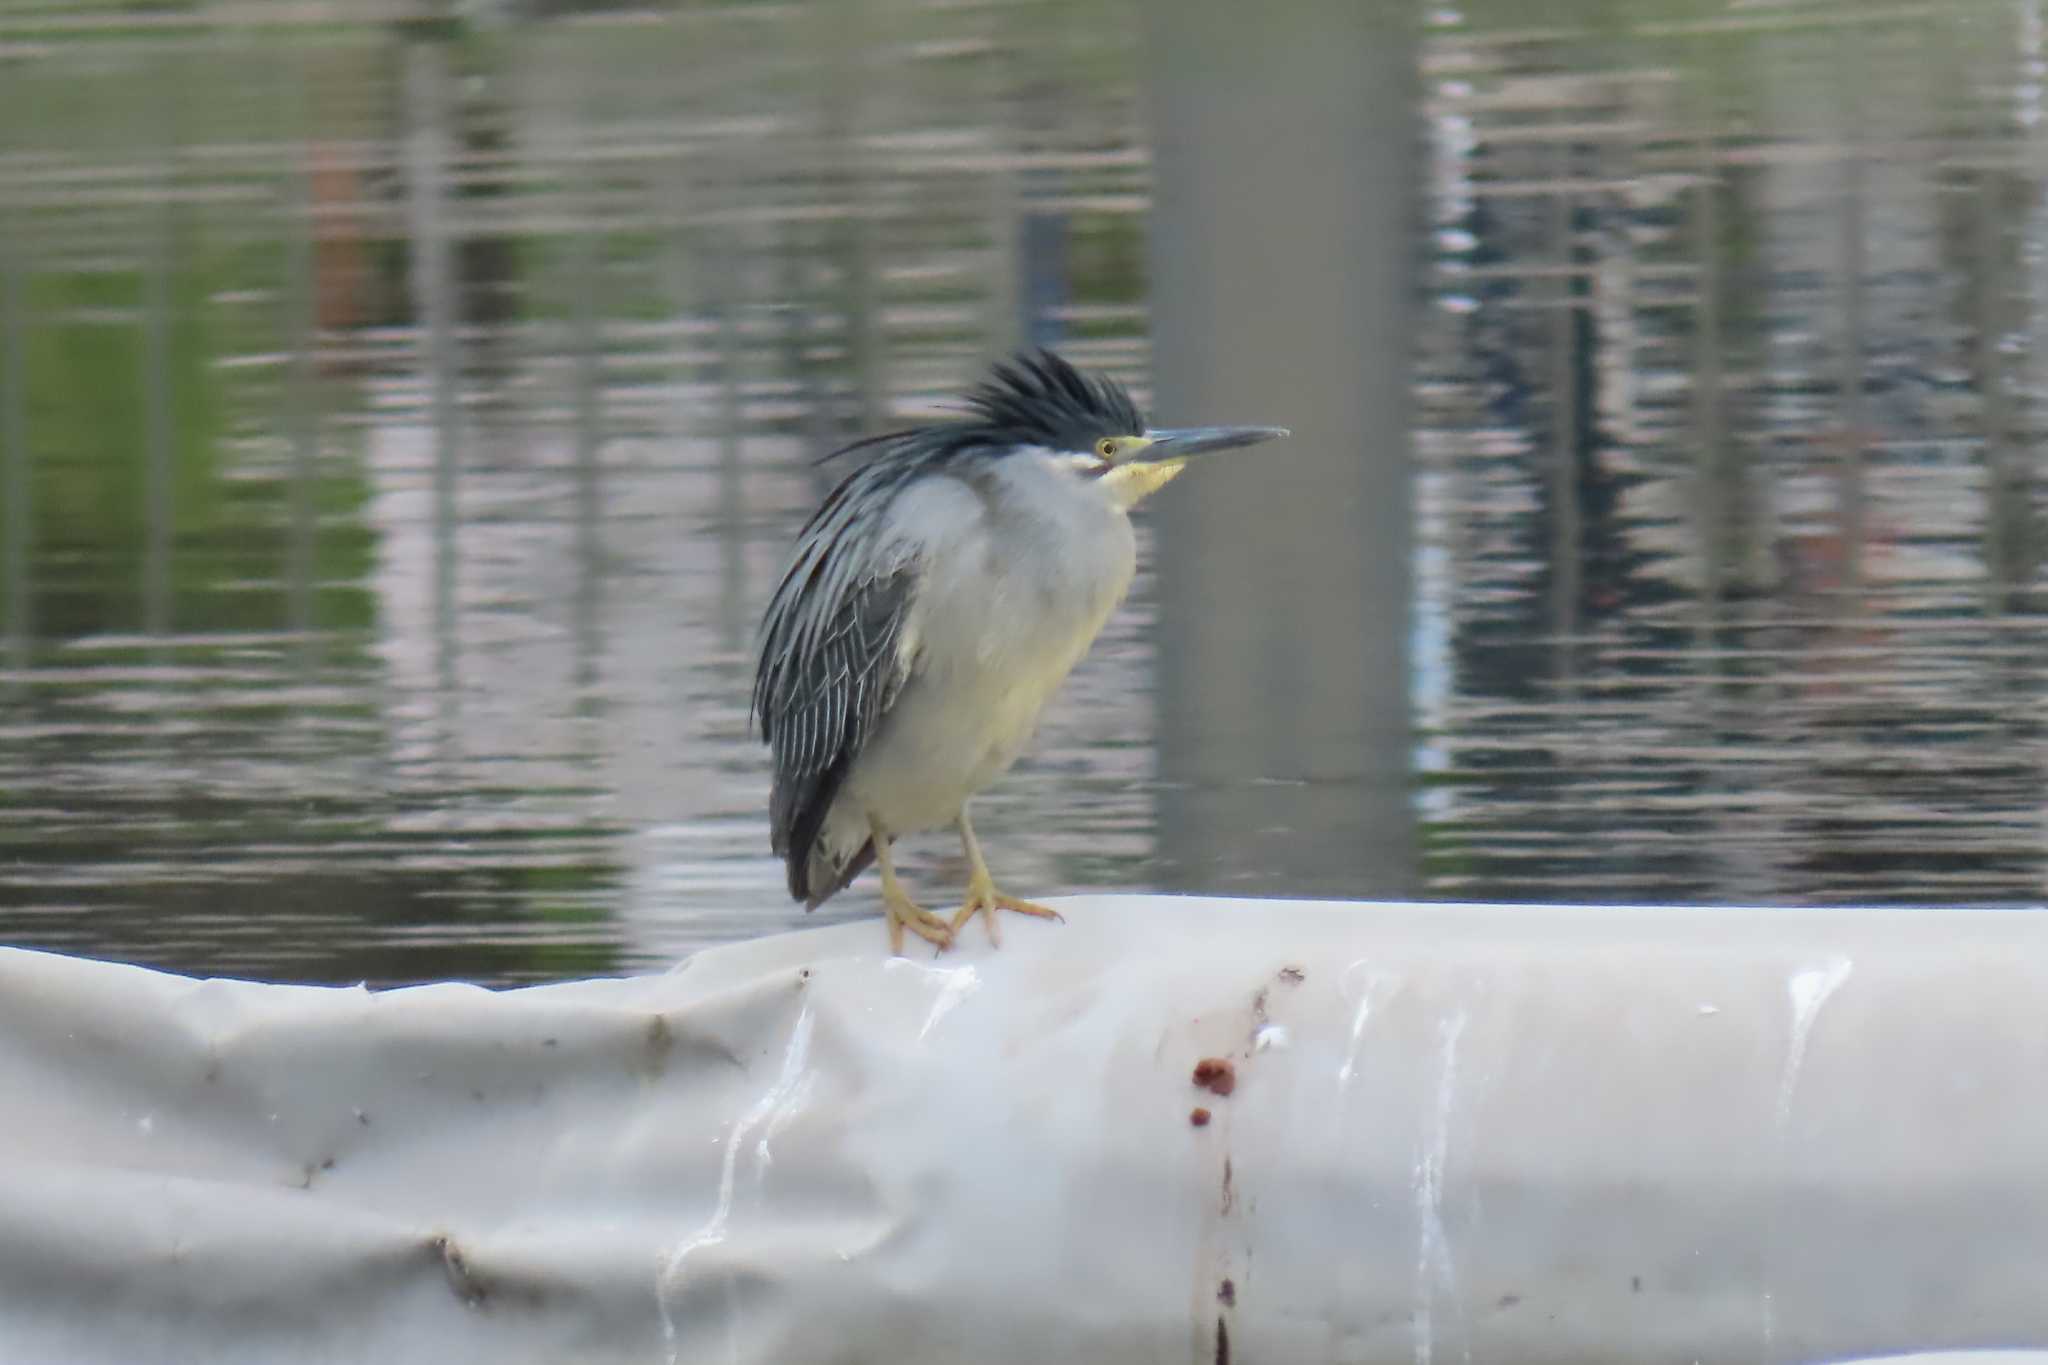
(1106, 448)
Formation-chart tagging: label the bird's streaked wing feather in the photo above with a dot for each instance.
(831, 662)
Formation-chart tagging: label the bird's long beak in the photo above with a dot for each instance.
(1164, 454)
(1181, 442)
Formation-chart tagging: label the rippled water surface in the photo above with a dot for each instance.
(400, 430)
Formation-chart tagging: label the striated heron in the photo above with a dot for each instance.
(933, 603)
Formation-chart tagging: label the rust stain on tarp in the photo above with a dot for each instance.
(1222, 1257)
(1218, 1075)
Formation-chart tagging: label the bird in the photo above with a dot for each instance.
(932, 604)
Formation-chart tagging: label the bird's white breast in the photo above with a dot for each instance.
(1023, 563)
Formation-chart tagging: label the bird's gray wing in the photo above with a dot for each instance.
(833, 659)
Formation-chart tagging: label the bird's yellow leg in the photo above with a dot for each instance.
(982, 896)
(901, 909)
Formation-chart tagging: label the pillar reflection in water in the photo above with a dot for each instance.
(428, 154)
(1283, 271)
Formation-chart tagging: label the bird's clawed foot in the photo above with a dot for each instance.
(984, 899)
(903, 912)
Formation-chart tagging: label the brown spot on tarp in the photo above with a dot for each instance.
(661, 1040)
(1199, 1117)
(1222, 1341)
(1226, 1293)
(1507, 1301)
(1293, 976)
(1229, 1192)
(464, 1283)
(477, 1288)
(1216, 1074)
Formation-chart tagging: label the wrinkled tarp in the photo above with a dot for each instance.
(1525, 1134)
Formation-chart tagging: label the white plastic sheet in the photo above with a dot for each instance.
(1457, 1133)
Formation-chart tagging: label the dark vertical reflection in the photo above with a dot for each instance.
(301, 417)
(799, 297)
(1028, 280)
(729, 298)
(1041, 232)
(156, 354)
(2011, 552)
(586, 343)
(1003, 299)
(1282, 293)
(1710, 508)
(1853, 268)
(16, 492)
(1732, 845)
(800, 250)
(850, 72)
(1566, 452)
(428, 147)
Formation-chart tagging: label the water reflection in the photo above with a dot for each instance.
(1283, 292)
(399, 430)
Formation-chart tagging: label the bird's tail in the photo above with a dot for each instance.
(826, 853)
(824, 872)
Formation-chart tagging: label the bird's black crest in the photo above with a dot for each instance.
(1037, 399)
(1041, 400)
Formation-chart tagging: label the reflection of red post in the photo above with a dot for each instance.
(338, 270)
(1824, 561)
(1827, 563)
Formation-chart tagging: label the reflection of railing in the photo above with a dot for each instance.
(479, 312)
(1728, 396)
(711, 196)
